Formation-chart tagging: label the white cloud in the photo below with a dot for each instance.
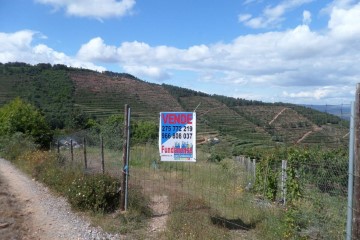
(341, 4)
(344, 24)
(317, 94)
(13, 43)
(246, 2)
(321, 93)
(306, 17)
(96, 50)
(147, 71)
(271, 16)
(92, 8)
(296, 58)
(244, 17)
(17, 47)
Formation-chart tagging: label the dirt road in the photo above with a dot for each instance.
(28, 210)
(12, 218)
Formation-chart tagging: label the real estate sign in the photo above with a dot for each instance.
(177, 136)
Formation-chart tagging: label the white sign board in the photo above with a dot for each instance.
(177, 136)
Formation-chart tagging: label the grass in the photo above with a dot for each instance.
(212, 191)
(191, 220)
(208, 200)
(219, 191)
(132, 222)
(60, 175)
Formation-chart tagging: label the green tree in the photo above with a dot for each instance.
(18, 116)
(112, 131)
(143, 131)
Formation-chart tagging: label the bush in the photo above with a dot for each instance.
(98, 193)
(11, 147)
(18, 116)
(143, 131)
(215, 157)
(266, 177)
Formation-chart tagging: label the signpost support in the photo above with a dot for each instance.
(125, 153)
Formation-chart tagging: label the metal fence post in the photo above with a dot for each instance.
(127, 159)
(351, 174)
(125, 167)
(356, 203)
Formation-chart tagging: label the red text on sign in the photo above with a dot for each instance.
(173, 118)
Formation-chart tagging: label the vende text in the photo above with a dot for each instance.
(180, 118)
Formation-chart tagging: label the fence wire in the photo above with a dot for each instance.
(250, 195)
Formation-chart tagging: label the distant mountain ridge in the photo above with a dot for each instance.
(66, 95)
(342, 110)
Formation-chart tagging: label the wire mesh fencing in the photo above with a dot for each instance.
(283, 178)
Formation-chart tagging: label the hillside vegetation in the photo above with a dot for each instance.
(69, 97)
(228, 197)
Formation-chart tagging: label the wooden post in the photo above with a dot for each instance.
(58, 146)
(85, 159)
(123, 183)
(283, 180)
(102, 155)
(254, 169)
(356, 201)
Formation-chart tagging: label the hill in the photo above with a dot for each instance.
(343, 111)
(68, 95)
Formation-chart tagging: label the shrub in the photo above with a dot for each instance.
(143, 131)
(18, 116)
(98, 193)
(112, 130)
(266, 177)
(11, 147)
(215, 157)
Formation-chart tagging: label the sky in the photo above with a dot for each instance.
(293, 51)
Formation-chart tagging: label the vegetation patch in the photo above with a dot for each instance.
(98, 193)
(191, 219)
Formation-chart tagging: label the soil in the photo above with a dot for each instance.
(12, 219)
(161, 208)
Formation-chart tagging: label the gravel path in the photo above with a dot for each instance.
(46, 217)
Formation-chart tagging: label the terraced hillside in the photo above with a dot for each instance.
(287, 125)
(215, 119)
(102, 95)
(66, 95)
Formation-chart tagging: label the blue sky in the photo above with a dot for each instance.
(297, 51)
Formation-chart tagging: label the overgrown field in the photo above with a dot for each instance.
(210, 198)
